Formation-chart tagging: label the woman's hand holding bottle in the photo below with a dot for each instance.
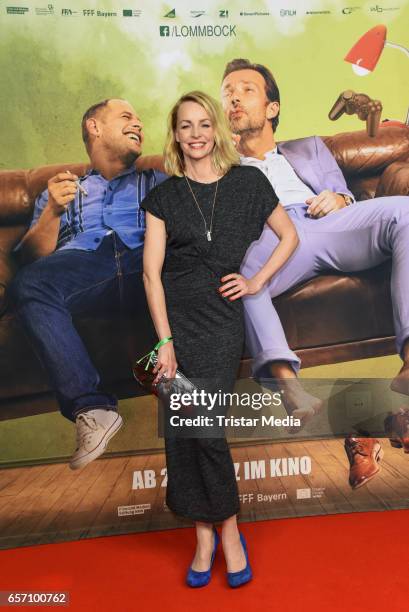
(166, 364)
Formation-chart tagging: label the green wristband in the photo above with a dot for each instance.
(162, 342)
(152, 352)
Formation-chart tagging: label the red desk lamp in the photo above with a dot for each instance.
(365, 54)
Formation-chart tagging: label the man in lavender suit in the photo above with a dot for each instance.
(335, 234)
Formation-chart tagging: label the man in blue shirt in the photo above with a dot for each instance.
(85, 242)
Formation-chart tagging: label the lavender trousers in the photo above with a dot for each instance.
(352, 239)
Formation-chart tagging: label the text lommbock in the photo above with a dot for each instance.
(198, 31)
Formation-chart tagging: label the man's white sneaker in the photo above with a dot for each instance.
(94, 430)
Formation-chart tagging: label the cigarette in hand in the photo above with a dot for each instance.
(80, 187)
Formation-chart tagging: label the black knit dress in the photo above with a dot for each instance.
(207, 329)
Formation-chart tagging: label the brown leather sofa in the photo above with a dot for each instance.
(328, 319)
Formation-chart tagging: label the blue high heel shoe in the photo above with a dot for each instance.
(199, 579)
(236, 579)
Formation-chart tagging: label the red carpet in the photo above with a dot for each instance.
(350, 562)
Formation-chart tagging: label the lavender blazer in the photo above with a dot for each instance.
(314, 164)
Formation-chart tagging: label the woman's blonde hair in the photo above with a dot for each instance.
(224, 154)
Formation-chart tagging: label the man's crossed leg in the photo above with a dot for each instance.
(349, 240)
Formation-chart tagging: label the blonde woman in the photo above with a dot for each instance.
(199, 224)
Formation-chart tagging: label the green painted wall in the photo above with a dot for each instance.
(52, 67)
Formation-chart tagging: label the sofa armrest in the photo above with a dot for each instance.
(359, 155)
(9, 237)
(394, 180)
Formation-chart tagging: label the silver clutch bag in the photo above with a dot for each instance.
(143, 374)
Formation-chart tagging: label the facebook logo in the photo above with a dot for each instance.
(164, 30)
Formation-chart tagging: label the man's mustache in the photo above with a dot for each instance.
(236, 110)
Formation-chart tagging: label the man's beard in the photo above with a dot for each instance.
(128, 158)
(247, 128)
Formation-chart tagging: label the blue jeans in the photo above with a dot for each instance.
(48, 292)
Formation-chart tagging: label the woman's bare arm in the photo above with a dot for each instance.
(153, 258)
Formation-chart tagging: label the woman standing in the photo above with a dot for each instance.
(199, 224)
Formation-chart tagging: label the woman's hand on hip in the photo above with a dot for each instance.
(236, 286)
(167, 364)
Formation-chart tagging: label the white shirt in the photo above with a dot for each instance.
(289, 188)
